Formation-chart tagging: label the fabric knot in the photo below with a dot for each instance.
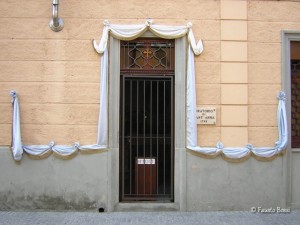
(249, 146)
(76, 144)
(189, 25)
(149, 22)
(281, 96)
(220, 145)
(13, 94)
(277, 145)
(51, 144)
(105, 23)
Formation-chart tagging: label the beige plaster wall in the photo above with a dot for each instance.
(57, 74)
(265, 21)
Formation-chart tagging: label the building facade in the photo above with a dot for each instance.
(251, 52)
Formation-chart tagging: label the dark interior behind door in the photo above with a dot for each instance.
(146, 138)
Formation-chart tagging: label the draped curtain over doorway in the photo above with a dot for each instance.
(122, 32)
(130, 32)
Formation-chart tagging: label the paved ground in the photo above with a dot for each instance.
(153, 218)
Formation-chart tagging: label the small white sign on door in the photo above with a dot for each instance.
(146, 161)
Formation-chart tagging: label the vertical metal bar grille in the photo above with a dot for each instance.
(147, 138)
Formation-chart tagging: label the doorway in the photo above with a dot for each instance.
(290, 83)
(147, 120)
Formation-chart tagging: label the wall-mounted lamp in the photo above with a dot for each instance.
(56, 24)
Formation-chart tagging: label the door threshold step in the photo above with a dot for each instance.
(146, 207)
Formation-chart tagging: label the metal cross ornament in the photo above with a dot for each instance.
(147, 52)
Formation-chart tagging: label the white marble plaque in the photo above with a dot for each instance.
(206, 115)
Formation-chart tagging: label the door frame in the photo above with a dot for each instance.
(287, 36)
(113, 203)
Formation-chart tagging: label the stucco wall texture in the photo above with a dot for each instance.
(56, 75)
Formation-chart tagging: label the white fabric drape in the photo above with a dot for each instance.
(262, 152)
(65, 150)
(16, 144)
(130, 32)
(122, 32)
(103, 116)
(38, 150)
(191, 122)
(43, 150)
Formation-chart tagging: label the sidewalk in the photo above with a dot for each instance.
(153, 218)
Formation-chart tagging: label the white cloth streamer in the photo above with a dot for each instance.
(42, 150)
(16, 144)
(264, 152)
(130, 32)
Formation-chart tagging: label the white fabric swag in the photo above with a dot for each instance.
(259, 152)
(122, 32)
(62, 151)
(130, 32)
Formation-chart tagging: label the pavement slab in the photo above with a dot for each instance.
(149, 218)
